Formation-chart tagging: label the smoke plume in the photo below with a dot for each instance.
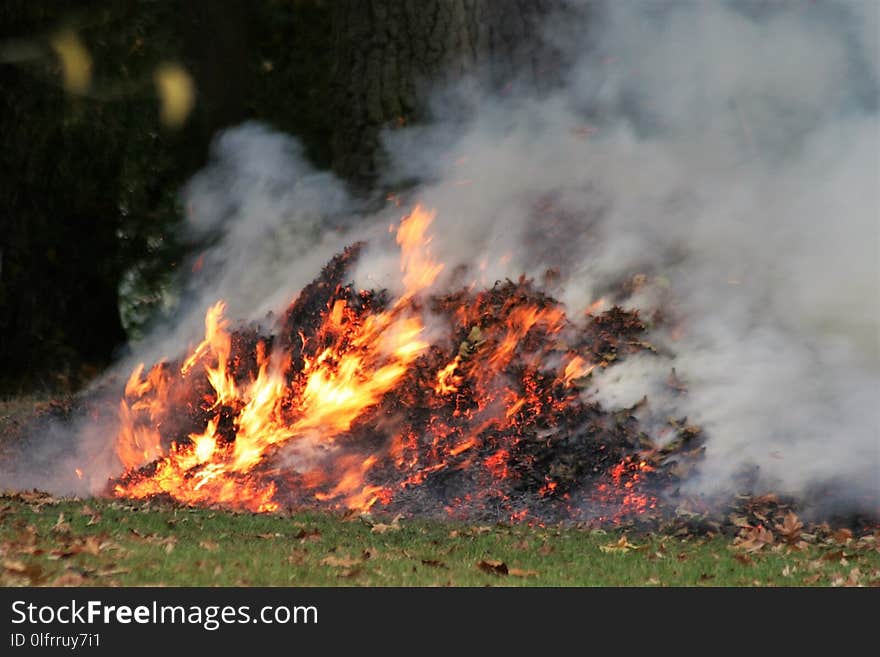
(717, 161)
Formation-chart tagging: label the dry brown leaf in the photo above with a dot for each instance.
(61, 526)
(517, 572)
(210, 546)
(753, 539)
(853, 579)
(297, 557)
(55, 555)
(68, 578)
(836, 555)
(842, 536)
(339, 562)
(738, 521)
(93, 545)
(493, 566)
(15, 566)
(791, 527)
(623, 545)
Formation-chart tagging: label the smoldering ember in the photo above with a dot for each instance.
(468, 403)
(345, 403)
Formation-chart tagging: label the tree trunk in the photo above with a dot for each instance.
(59, 265)
(390, 51)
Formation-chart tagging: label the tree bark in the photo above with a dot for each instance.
(59, 265)
(390, 52)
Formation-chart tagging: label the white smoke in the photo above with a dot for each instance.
(728, 151)
(270, 220)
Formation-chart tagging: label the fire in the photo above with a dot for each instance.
(353, 406)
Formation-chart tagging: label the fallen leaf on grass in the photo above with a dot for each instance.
(852, 579)
(210, 546)
(381, 527)
(32, 571)
(744, 559)
(339, 562)
(55, 555)
(493, 567)
(61, 526)
(297, 557)
(15, 566)
(753, 539)
(517, 572)
(623, 545)
(68, 578)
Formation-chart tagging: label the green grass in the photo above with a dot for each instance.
(98, 542)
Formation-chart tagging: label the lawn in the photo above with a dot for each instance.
(47, 541)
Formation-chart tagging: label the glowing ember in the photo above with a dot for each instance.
(350, 406)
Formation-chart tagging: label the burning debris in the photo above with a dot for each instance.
(346, 403)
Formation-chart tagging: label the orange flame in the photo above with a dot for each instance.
(363, 362)
(248, 419)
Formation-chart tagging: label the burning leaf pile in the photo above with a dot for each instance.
(346, 403)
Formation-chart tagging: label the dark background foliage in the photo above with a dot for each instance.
(90, 173)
